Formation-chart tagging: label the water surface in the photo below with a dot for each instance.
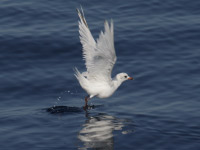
(156, 42)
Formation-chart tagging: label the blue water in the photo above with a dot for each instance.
(157, 42)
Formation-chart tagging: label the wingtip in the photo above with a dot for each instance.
(77, 10)
(81, 16)
(79, 13)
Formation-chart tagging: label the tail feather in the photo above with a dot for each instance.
(82, 80)
(77, 73)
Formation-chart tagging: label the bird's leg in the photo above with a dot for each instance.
(86, 100)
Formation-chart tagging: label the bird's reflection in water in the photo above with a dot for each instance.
(97, 132)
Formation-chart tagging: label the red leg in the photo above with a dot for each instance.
(86, 100)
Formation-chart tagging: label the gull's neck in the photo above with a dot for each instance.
(116, 83)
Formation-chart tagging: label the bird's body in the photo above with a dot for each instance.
(99, 58)
(97, 87)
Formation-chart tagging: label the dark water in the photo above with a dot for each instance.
(157, 42)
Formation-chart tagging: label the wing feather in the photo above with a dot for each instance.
(99, 56)
(86, 39)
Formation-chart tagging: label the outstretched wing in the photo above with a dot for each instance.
(86, 39)
(100, 56)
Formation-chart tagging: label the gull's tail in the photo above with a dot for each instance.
(81, 79)
(81, 16)
(77, 74)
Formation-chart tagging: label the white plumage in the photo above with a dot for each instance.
(99, 59)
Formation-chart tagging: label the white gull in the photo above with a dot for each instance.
(99, 59)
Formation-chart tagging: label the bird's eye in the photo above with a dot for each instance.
(125, 76)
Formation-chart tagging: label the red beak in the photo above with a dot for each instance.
(130, 78)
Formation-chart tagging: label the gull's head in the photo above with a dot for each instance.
(123, 77)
